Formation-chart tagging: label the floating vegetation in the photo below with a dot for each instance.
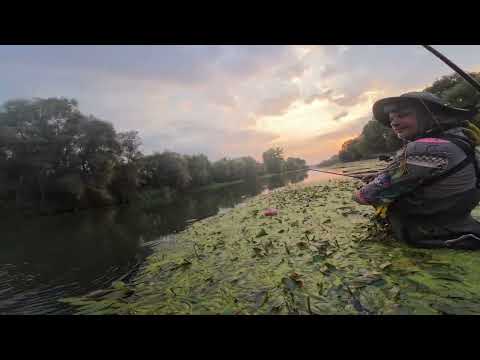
(320, 254)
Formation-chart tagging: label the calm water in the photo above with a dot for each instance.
(45, 259)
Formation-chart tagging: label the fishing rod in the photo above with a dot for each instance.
(360, 177)
(330, 172)
(459, 71)
(307, 169)
(334, 173)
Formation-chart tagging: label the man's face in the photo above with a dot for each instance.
(403, 121)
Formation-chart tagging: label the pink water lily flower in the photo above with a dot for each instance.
(270, 212)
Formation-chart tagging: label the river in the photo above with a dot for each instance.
(45, 259)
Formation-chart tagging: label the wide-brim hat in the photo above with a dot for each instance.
(434, 103)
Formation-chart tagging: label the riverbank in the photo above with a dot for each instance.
(148, 198)
(322, 254)
(215, 186)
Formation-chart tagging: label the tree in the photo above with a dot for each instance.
(250, 166)
(295, 164)
(373, 136)
(455, 90)
(33, 151)
(53, 154)
(222, 170)
(130, 144)
(273, 160)
(259, 168)
(125, 180)
(348, 151)
(99, 151)
(166, 169)
(330, 161)
(200, 169)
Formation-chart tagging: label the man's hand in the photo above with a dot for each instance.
(472, 131)
(381, 211)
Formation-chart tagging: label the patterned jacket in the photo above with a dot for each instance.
(418, 162)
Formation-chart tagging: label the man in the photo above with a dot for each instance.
(430, 188)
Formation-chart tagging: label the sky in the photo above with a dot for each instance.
(228, 100)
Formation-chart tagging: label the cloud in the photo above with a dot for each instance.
(178, 64)
(277, 105)
(223, 100)
(343, 99)
(293, 71)
(321, 147)
(247, 143)
(250, 60)
(348, 99)
(340, 115)
(353, 129)
(328, 70)
(325, 95)
(193, 138)
(317, 148)
(206, 98)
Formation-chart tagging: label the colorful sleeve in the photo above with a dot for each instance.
(422, 159)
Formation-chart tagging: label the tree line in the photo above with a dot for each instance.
(54, 158)
(376, 139)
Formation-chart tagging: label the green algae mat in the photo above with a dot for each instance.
(320, 254)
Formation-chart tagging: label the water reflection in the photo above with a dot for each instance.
(46, 258)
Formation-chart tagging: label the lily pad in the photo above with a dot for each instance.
(352, 264)
(261, 233)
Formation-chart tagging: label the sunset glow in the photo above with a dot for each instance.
(228, 100)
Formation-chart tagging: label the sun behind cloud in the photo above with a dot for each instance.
(306, 119)
(300, 121)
